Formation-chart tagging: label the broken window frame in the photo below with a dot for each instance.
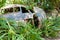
(31, 10)
(24, 10)
(7, 10)
(15, 9)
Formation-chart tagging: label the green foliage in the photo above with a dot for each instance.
(45, 4)
(18, 31)
(51, 27)
(12, 30)
(2, 3)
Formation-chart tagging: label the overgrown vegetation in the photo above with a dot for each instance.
(45, 4)
(51, 27)
(12, 30)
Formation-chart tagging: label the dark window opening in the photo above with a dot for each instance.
(16, 9)
(59, 7)
(8, 10)
(36, 20)
(31, 10)
(24, 10)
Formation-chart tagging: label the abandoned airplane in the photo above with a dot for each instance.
(20, 13)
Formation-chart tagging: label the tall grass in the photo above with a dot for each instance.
(51, 27)
(11, 30)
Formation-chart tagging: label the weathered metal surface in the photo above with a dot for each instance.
(18, 16)
(21, 16)
(40, 13)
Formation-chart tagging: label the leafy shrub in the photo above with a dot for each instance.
(2, 3)
(51, 27)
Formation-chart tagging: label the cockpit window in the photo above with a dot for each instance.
(16, 9)
(8, 10)
(24, 10)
